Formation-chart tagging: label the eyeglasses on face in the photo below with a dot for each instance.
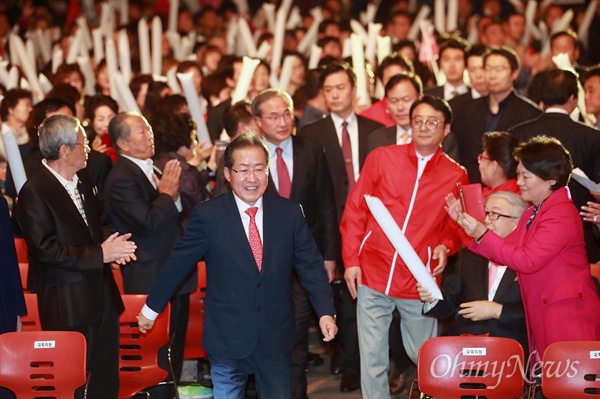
(430, 124)
(495, 215)
(275, 118)
(482, 157)
(245, 173)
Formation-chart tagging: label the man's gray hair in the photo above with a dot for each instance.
(118, 128)
(268, 94)
(517, 203)
(56, 131)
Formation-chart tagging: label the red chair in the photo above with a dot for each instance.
(193, 337)
(31, 322)
(43, 364)
(24, 270)
(475, 366)
(571, 369)
(21, 248)
(138, 353)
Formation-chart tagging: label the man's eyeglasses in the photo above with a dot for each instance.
(246, 172)
(274, 118)
(430, 124)
(495, 215)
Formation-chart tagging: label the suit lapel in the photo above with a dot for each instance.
(334, 144)
(137, 171)
(234, 222)
(363, 141)
(505, 283)
(299, 167)
(55, 188)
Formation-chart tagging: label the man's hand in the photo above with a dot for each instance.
(169, 183)
(144, 324)
(353, 277)
(440, 253)
(118, 249)
(424, 294)
(480, 310)
(328, 327)
(330, 269)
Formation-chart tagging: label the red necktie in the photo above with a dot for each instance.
(283, 175)
(254, 237)
(347, 153)
(492, 273)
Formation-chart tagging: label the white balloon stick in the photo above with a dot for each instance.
(129, 103)
(57, 58)
(87, 36)
(240, 93)
(358, 63)
(13, 155)
(246, 36)
(439, 15)
(358, 29)
(74, 47)
(28, 69)
(172, 80)
(270, 13)
(286, 72)
(371, 48)
(315, 56)
(144, 45)
(452, 22)
(173, 15)
(44, 83)
(156, 46)
(44, 45)
(310, 37)
(196, 109)
(111, 67)
(384, 47)
(584, 28)
(124, 56)
(415, 27)
(98, 40)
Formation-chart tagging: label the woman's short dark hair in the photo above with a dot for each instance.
(11, 99)
(97, 101)
(500, 147)
(172, 131)
(546, 158)
(436, 103)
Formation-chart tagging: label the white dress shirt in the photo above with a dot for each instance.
(353, 133)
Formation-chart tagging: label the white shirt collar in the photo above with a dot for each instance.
(285, 145)
(338, 120)
(556, 110)
(242, 206)
(70, 184)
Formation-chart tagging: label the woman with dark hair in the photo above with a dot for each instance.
(99, 111)
(70, 74)
(546, 250)
(155, 92)
(497, 164)
(175, 138)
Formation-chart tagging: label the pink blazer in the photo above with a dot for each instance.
(560, 299)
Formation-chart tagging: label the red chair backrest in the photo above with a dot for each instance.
(31, 322)
(24, 270)
(193, 336)
(48, 364)
(451, 367)
(138, 353)
(21, 248)
(571, 369)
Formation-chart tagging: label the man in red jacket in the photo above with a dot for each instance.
(412, 181)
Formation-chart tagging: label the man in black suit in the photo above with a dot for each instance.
(70, 253)
(452, 63)
(477, 80)
(486, 296)
(344, 137)
(559, 99)
(501, 109)
(251, 242)
(299, 172)
(139, 202)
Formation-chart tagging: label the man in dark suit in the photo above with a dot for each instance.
(452, 63)
(485, 296)
(251, 243)
(139, 202)
(344, 137)
(70, 253)
(559, 98)
(299, 172)
(501, 109)
(477, 80)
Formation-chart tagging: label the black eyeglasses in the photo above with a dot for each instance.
(495, 215)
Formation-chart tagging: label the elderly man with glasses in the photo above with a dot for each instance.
(412, 181)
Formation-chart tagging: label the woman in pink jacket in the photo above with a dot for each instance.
(546, 250)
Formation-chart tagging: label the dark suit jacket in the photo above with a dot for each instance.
(313, 190)
(387, 136)
(583, 142)
(457, 102)
(135, 206)
(12, 301)
(469, 126)
(214, 120)
(437, 91)
(65, 254)
(468, 281)
(323, 132)
(247, 310)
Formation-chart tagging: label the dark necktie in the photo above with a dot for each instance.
(347, 153)
(283, 175)
(254, 237)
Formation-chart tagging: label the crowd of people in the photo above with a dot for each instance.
(203, 149)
